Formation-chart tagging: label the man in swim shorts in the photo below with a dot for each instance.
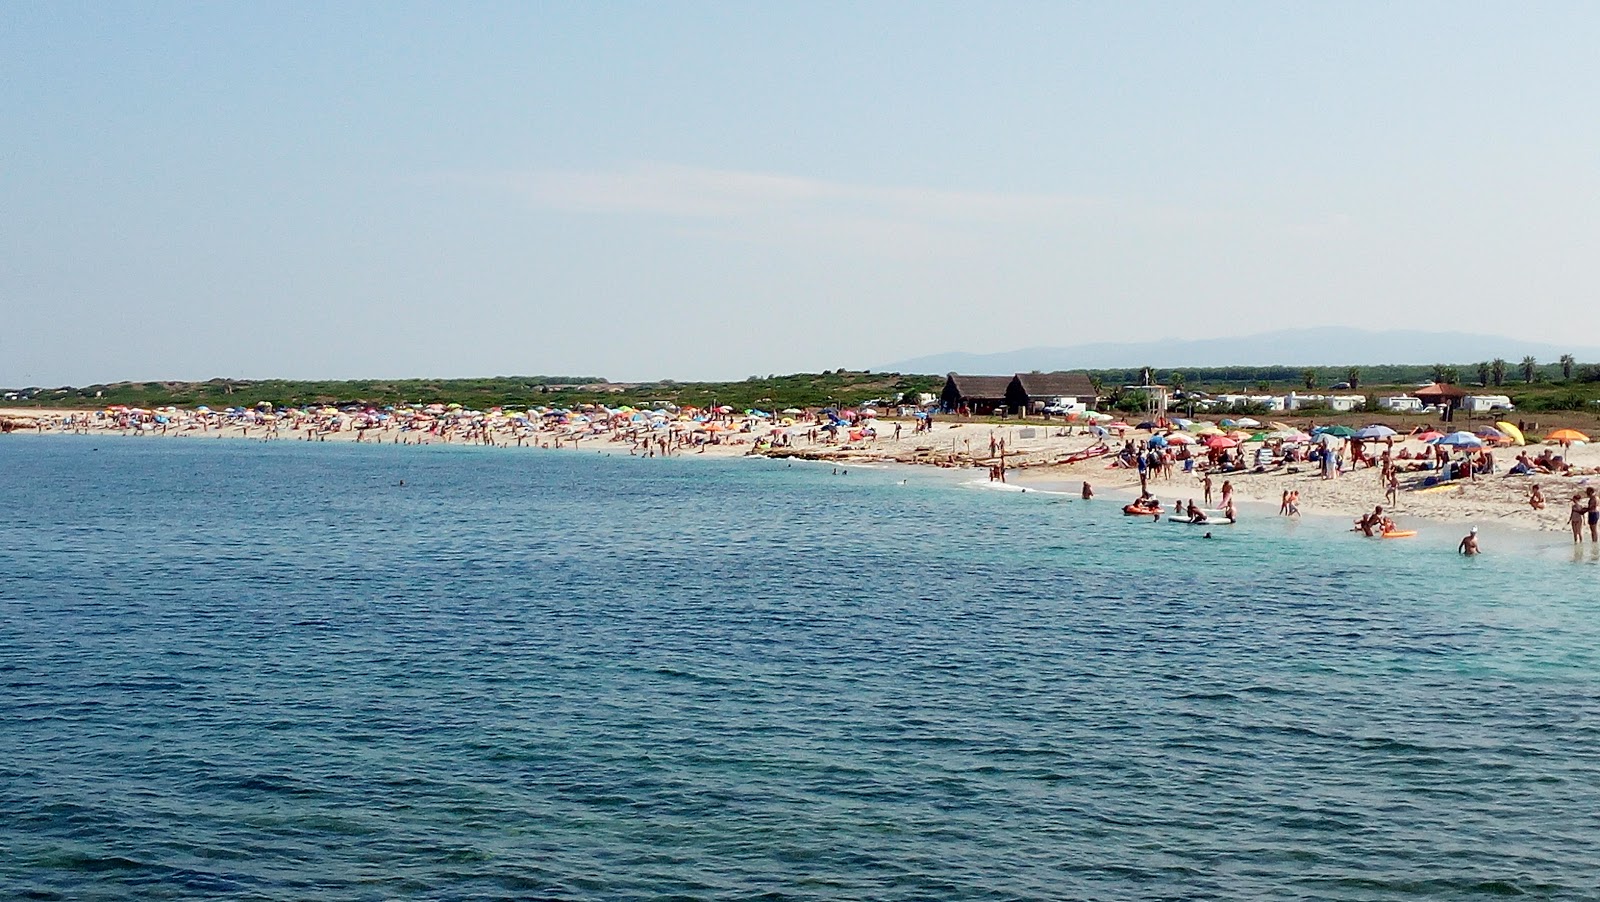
(1469, 544)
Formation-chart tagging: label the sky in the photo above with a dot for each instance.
(718, 190)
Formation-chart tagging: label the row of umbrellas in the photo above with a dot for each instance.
(1214, 437)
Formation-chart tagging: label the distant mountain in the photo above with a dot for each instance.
(1322, 346)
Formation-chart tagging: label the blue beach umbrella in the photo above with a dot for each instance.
(1458, 440)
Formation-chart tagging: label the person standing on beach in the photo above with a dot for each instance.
(1206, 482)
(1227, 493)
(1392, 493)
(1579, 513)
(1592, 510)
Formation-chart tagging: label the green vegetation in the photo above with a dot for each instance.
(798, 390)
(1565, 385)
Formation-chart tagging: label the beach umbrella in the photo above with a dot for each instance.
(1430, 436)
(1490, 432)
(1227, 422)
(1374, 431)
(1566, 436)
(1208, 431)
(1158, 441)
(1459, 440)
(1147, 425)
(1259, 437)
(1247, 422)
(1179, 438)
(1512, 432)
(1220, 441)
(1340, 431)
(792, 410)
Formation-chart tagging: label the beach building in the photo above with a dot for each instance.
(1442, 394)
(974, 394)
(1033, 392)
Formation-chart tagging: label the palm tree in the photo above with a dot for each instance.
(1451, 375)
(1309, 377)
(1483, 373)
(1498, 369)
(1175, 379)
(1438, 372)
(1353, 376)
(1529, 365)
(1566, 367)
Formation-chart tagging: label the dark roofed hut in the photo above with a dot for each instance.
(1032, 392)
(974, 394)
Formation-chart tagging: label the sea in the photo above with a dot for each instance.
(291, 671)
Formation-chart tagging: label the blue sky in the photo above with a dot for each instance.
(720, 190)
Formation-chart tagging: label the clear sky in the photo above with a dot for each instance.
(697, 190)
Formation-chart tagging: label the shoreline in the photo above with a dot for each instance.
(1495, 503)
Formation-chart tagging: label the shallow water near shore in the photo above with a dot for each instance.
(269, 671)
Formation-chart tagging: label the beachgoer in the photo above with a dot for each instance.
(1283, 504)
(1392, 493)
(1088, 492)
(1593, 513)
(1578, 514)
(1469, 544)
(1536, 498)
(1206, 482)
(1227, 492)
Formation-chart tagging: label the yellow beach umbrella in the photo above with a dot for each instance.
(1511, 430)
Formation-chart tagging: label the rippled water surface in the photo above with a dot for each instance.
(271, 671)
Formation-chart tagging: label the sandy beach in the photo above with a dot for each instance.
(1036, 454)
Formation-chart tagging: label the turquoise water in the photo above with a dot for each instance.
(270, 671)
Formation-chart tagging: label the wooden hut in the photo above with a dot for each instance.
(1032, 392)
(974, 394)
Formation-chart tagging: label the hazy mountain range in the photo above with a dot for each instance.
(1323, 346)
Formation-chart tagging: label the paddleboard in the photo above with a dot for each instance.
(1399, 534)
(1214, 521)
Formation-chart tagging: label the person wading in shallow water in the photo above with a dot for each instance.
(1469, 544)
